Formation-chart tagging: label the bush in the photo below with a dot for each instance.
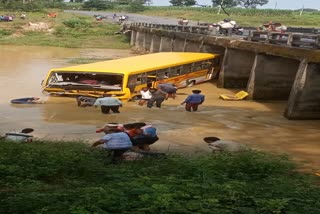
(4, 32)
(76, 23)
(65, 177)
(135, 7)
(97, 5)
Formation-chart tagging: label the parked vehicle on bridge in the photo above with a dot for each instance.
(123, 18)
(272, 27)
(125, 78)
(183, 21)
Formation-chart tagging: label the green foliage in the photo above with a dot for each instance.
(135, 7)
(31, 6)
(4, 32)
(252, 3)
(65, 177)
(243, 16)
(76, 23)
(182, 2)
(98, 5)
(225, 3)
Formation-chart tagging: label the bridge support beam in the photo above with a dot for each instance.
(179, 45)
(304, 99)
(139, 39)
(147, 41)
(133, 38)
(236, 68)
(192, 46)
(165, 44)
(155, 43)
(272, 77)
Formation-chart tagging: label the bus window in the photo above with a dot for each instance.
(206, 65)
(197, 66)
(132, 82)
(175, 71)
(186, 69)
(163, 74)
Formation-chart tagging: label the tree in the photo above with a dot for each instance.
(183, 2)
(224, 3)
(190, 2)
(176, 2)
(252, 3)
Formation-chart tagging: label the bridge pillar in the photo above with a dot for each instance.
(304, 99)
(165, 44)
(236, 68)
(179, 45)
(139, 39)
(192, 46)
(272, 77)
(147, 41)
(133, 38)
(155, 43)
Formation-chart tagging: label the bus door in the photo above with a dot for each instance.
(151, 81)
(211, 70)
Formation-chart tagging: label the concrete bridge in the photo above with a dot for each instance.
(267, 71)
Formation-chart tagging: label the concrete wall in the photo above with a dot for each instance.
(133, 38)
(304, 100)
(179, 45)
(147, 41)
(236, 68)
(139, 39)
(165, 44)
(192, 46)
(155, 43)
(272, 77)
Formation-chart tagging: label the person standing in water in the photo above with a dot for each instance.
(193, 100)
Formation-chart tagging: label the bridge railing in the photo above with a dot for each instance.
(294, 39)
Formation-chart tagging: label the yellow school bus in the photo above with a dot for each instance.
(124, 78)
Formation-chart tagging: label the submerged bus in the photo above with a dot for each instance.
(124, 78)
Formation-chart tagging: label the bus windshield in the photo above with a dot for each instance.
(74, 80)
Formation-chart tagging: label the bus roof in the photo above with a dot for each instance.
(140, 63)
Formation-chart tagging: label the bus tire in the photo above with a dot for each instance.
(191, 83)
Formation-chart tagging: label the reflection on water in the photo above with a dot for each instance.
(260, 125)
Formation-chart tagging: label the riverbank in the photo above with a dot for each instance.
(66, 30)
(69, 177)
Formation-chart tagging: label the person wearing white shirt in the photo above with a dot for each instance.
(145, 96)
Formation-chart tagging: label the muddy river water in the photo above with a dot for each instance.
(260, 125)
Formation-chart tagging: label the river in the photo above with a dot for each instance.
(260, 125)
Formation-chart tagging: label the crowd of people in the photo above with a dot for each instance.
(149, 96)
(120, 138)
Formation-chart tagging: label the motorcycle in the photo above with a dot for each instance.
(236, 30)
(183, 22)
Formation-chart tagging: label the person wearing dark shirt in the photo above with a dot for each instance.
(193, 100)
(158, 97)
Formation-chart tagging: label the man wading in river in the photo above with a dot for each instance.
(193, 100)
(108, 103)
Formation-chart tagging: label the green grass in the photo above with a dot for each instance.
(244, 17)
(66, 177)
(67, 30)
